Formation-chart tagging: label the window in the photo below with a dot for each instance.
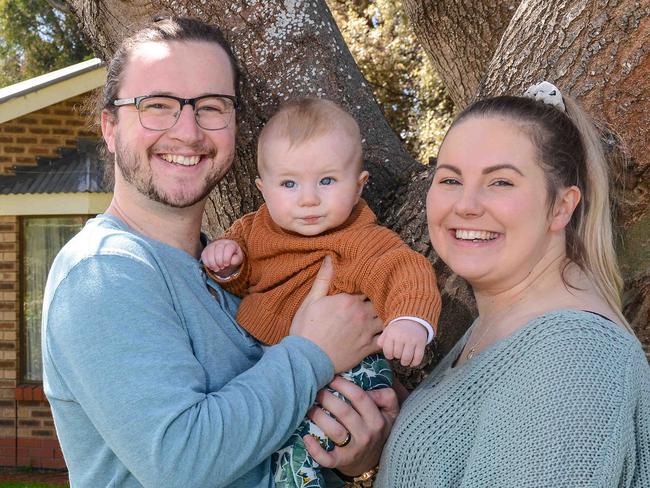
(42, 238)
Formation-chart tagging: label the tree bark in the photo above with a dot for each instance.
(460, 38)
(292, 47)
(596, 50)
(286, 49)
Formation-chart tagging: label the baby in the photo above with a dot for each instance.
(310, 173)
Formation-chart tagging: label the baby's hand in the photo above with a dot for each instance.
(404, 340)
(223, 257)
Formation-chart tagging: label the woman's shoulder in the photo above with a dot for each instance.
(568, 328)
(577, 345)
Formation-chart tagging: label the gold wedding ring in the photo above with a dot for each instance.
(345, 442)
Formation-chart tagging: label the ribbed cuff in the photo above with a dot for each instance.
(430, 332)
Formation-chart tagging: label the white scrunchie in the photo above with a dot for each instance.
(548, 93)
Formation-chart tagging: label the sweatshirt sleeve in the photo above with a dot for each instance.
(566, 416)
(122, 351)
(399, 281)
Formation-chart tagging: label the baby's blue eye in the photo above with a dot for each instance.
(288, 184)
(328, 180)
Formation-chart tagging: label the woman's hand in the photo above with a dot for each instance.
(368, 419)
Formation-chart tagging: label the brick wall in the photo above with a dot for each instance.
(41, 133)
(27, 435)
(9, 287)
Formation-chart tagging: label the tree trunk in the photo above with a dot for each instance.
(292, 47)
(286, 49)
(460, 39)
(599, 51)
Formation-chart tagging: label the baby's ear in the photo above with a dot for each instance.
(361, 182)
(259, 184)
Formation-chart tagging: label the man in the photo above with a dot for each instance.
(151, 381)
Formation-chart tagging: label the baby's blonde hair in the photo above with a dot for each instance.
(302, 119)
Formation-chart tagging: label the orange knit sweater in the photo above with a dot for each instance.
(279, 269)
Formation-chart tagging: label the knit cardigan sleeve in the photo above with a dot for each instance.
(573, 413)
(239, 232)
(399, 281)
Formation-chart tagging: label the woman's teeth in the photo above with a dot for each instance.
(475, 235)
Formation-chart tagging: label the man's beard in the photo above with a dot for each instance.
(134, 172)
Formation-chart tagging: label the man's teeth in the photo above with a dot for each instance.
(178, 159)
(474, 235)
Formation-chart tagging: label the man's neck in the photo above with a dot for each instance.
(177, 227)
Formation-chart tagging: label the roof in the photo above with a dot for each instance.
(45, 90)
(78, 170)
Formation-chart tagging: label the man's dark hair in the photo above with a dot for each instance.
(164, 30)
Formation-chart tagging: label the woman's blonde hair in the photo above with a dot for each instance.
(570, 153)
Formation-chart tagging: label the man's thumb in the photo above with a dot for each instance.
(321, 284)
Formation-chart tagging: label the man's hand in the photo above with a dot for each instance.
(368, 418)
(223, 257)
(344, 326)
(404, 340)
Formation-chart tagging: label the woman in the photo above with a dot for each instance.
(549, 387)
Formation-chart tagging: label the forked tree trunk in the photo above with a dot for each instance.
(293, 47)
(599, 51)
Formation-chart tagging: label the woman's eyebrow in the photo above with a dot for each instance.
(489, 169)
(497, 167)
(449, 167)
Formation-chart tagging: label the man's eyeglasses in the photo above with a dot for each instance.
(160, 112)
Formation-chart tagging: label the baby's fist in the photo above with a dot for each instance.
(223, 257)
(405, 340)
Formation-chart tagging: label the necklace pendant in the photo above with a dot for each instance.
(470, 354)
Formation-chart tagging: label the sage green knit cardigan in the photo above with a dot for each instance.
(562, 402)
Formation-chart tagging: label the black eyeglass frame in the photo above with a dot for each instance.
(121, 102)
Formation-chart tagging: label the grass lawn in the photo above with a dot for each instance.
(25, 484)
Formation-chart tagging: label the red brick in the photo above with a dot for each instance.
(26, 140)
(42, 433)
(50, 140)
(8, 461)
(29, 442)
(39, 130)
(25, 160)
(29, 423)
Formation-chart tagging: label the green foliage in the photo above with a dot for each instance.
(388, 54)
(35, 39)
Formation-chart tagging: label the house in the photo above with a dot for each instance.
(50, 184)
